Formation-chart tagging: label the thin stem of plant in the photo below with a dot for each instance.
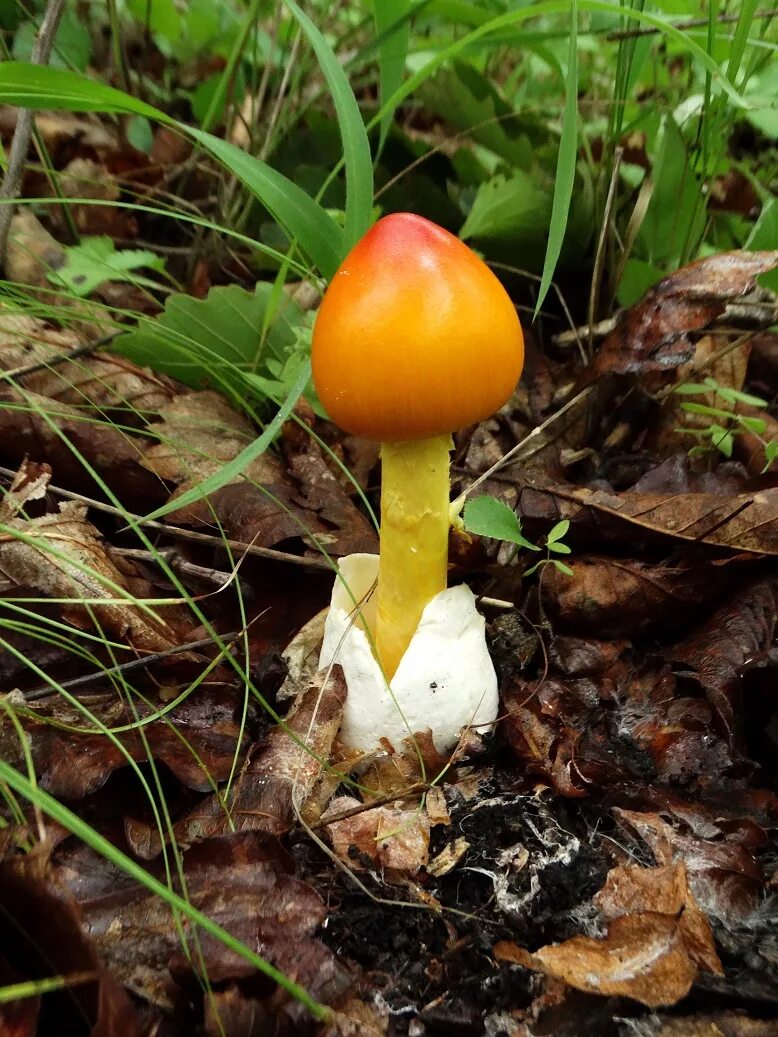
(17, 154)
(692, 23)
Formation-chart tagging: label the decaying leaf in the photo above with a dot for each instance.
(241, 881)
(97, 381)
(654, 335)
(42, 935)
(657, 939)
(62, 556)
(717, 650)
(394, 836)
(723, 874)
(277, 777)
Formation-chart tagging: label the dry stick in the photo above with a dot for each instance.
(237, 546)
(122, 668)
(41, 51)
(60, 358)
(692, 23)
(178, 564)
(599, 258)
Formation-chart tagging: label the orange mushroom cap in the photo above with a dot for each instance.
(415, 336)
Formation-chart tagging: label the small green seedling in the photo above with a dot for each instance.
(490, 517)
(725, 423)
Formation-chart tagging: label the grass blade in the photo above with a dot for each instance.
(393, 29)
(356, 147)
(31, 86)
(565, 169)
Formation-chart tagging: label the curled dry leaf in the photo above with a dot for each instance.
(62, 556)
(656, 941)
(278, 776)
(718, 649)
(654, 334)
(394, 836)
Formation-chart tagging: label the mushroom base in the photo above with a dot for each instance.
(445, 681)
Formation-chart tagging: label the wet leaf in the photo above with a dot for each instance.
(656, 940)
(278, 776)
(394, 836)
(654, 334)
(718, 649)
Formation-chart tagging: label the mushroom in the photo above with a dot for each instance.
(415, 338)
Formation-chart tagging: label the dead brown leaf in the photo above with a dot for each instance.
(42, 934)
(98, 381)
(393, 836)
(278, 775)
(62, 556)
(718, 649)
(746, 522)
(241, 881)
(198, 741)
(643, 957)
(724, 876)
(631, 890)
(614, 597)
(654, 335)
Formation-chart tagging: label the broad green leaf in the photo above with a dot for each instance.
(72, 43)
(565, 168)
(764, 234)
(96, 260)
(392, 25)
(140, 133)
(356, 147)
(756, 425)
(36, 86)
(637, 277)
(515, 209)
(233, 469)
(562, 567)
(211, 341)
(161, 16)
(490, 517)
(722, 439)
(470, 103)
(676, 213)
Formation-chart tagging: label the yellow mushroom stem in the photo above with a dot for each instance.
(414, 540)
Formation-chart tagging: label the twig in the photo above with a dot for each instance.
(173, 559)
(692, 23)
(122, 668)
(238, 546)
(17, 154)
(60, 358)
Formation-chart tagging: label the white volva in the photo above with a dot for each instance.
(445, 680)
